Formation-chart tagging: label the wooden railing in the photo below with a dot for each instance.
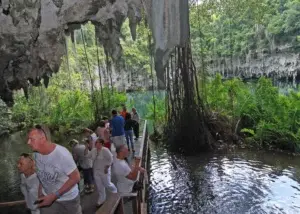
(12, 203)
(115, 202)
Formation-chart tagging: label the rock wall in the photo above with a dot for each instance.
(32, 35)
(122, 80)
(282, 62)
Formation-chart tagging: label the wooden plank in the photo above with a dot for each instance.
(12, 203)
(142, 146)
(143, 139)
(132, 194)
(110, 205)
(120, 208)
(144, 208)
(145, 180)
(135, 206)
(139, 202)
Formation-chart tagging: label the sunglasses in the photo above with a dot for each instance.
(39, 127)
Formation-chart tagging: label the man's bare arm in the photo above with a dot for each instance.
(74, 179)
(133, 174)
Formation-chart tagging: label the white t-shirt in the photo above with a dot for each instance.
(53, 170)
(121, 170)
(84, 162)
(101, 159)
(30, 189)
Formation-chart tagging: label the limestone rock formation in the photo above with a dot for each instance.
(32, 35)
(279, 63)
(168, 20)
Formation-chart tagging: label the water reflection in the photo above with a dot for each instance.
(242, 182)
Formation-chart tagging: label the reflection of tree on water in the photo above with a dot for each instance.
(184, 189)
(247, 182)
(202, 190)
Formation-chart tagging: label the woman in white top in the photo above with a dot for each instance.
(103, 160)
(29, 182)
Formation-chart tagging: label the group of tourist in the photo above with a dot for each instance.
(49, 178)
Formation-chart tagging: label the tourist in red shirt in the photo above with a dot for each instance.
(124, 112)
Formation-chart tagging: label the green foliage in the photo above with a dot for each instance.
(63, 108)
(112, 100)
(157, 114)
(143, 102)
(233, 27)
(54, 107)
(268, 117)
(248, 131)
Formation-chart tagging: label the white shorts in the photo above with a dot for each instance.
(118, 140)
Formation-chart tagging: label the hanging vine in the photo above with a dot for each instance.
(87, 61)
(97, 113)
(152, 78)
(186, 129)
(100, 76)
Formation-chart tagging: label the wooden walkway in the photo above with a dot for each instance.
(88, 202)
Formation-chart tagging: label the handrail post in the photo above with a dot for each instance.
(135, 205)
(120, 208)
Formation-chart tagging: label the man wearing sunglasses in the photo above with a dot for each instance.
(57, 173)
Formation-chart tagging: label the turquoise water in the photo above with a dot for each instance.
(142, 101)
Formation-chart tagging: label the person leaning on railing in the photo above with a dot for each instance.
(29, 182)
(126, 176)
(57, 173)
